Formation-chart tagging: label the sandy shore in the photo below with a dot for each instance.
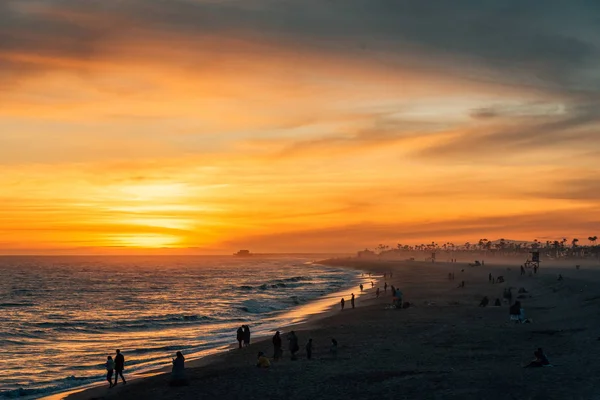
(443, 347)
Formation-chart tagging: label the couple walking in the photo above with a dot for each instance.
(117, 365)
(243, 335)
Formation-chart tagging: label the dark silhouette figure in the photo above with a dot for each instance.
(361, 287)
(178, 377)
(119, 367)
(461, 284)
(110, 366)
(293, 343)
(484, 302)
(497, 303)
(262, 361)
(309, 349)
(522, 270)
(372, 285)
(277, 349)
(246, 335)
(540, 359)
(560, 277)
(377, 293)
(352, 300)
(490, 277)
(240, 336)
(334, 347)
(385, 287)
(343, 303)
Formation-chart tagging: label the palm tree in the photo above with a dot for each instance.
(574, 242)
(593, 239)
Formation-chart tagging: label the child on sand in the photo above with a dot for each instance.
(263, 361)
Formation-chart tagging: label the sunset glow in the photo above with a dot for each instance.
(143, 126)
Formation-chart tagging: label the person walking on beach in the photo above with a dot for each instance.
(110, 366)
(309, 349)
(119, 367)
(240, 336)
(293, 342)
(361, 287)
(352, 300)
(372, 285)
(343, 303)
(246, 335)
(178, 377)
(377, 293)
(385, 287)
(277, 351)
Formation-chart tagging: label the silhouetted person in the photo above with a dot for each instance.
(490, 277)
(535, 268)
(277, 349)
(262, 360)
(484, 302)
(385, 287)
(343, 303)
(372, 285)
(461, 284)
(522, 270)
(240, 336)
(497, 303)
(293, 343)
(119, 367)
(309, 349)
(515, 312)
(110, 366)
(246, 335)
(361, 287)
(352, 300)
(178, 372)
(560, 277)
(377, 293)
(540, 359)
(334, 347)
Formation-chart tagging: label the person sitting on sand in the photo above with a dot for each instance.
(110, 366)
(334, 347)
(484, 302)
(540, 359)
(277, 351)
(461, 284)
(178, 377)
(517, 313)
(262, 361)
(560, 277)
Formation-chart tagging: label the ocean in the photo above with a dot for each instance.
(61, 316)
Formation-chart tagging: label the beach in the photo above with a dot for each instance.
(444, 346)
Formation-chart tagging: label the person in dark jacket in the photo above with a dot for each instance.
(540, 359)
(277, 351)
(110, 366)
(178, 377)
(309, 349)
(119, 367)
(246, 335)
(293, 340)
(240, 336)
(343, 303)
(352, 300)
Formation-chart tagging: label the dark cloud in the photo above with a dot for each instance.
(540, 43)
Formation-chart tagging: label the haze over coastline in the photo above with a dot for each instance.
(145, 126)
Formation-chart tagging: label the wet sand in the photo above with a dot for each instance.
(442, 347)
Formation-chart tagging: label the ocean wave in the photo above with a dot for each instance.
(46, 388)
(10, 305)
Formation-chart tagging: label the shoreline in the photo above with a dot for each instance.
(302, 316)
(443, 346)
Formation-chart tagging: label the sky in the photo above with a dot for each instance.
(209, 126)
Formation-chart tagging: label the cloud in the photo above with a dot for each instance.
(548, 44)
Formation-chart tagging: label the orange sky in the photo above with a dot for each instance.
(132, 127)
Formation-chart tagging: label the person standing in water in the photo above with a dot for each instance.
(377, 293)
(277, 351)
(343, 303)
(361, 287)
(352, 300)
(110, 366)
(246, 335)
(119, 367)
(240, 336)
